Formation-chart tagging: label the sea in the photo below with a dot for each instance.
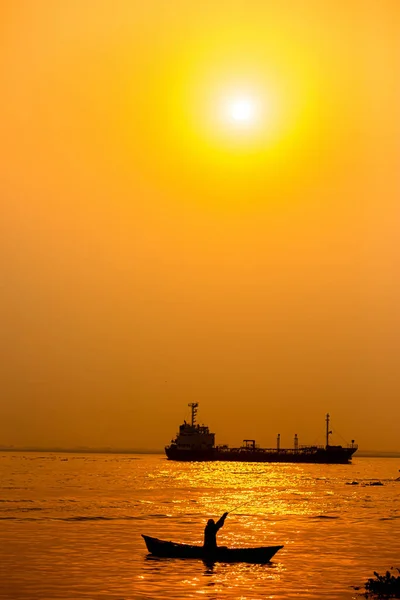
(71, 525)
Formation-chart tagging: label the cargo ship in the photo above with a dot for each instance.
(196, 443)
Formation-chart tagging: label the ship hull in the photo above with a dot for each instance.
(317, 456)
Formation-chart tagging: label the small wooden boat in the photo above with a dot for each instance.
(262, 554)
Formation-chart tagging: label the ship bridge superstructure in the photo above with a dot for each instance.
(192, 436)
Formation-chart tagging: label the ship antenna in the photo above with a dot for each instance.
(193, 406)
(328, 432)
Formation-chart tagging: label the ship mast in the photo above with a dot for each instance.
(193, 406)
(328, 432)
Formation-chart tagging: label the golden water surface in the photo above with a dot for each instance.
(70, 526)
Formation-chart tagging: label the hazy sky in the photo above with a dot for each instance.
(155, 252)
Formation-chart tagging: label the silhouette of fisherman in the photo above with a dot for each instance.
(210, 533)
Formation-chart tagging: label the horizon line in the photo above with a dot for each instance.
(110, 450)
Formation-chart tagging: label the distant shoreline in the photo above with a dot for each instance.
(82, 450)
(360, 453)
(377, 454)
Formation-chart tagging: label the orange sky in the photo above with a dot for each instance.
(153, 256)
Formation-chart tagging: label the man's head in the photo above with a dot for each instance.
(210, 522)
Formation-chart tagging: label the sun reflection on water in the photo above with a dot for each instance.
(262, 489)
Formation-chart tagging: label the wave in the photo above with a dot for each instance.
(94, 518)
(324, 517)
(81, 518)
(22, 509)
(19, 519)
(16, 501)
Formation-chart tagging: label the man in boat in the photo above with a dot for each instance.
(210, 533)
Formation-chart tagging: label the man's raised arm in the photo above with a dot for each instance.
(221, 521)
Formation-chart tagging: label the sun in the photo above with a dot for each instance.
(242, 110)
(237, 115)
(241, 113)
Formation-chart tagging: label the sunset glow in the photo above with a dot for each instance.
(200, 203)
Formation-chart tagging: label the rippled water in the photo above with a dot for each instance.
(70, 526)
